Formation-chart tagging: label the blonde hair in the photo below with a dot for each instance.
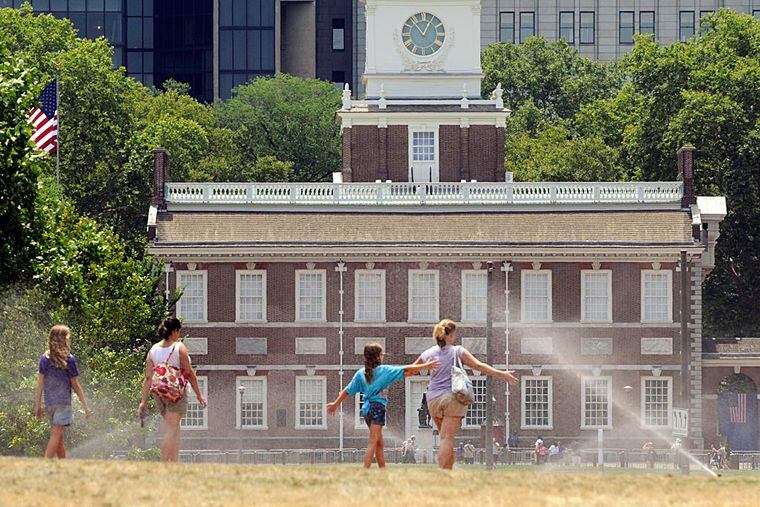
(59, 345)
(443, 328)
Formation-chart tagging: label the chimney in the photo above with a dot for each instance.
(160, 176)
(686, 174)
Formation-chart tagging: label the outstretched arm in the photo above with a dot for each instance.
(146, 386)
(469, 360)
(418, 366)
(332, 407)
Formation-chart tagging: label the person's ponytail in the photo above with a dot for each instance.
(442, 329)
(373, 357)
(168, 326)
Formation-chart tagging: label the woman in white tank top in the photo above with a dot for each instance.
(172, 350)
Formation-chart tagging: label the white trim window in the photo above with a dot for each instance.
(656, 295)
(369, 295)
(311, 395)
(359, 423)
(656, 402)
(596, 402)
(536, 399)
(311, 289)
(596, 295)
(474, 295)
(196, 417)
(423, 153)
(251, 295)
(536, 295)
(423, 295)
(192, 306)
(476, 412)
(252, 405)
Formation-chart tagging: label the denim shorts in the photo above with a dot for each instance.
(60, 415)
(376, 414)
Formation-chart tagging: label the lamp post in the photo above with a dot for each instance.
(241, 390)
(627, 389)
(489, 360)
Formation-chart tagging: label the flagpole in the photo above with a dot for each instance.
(58, 111)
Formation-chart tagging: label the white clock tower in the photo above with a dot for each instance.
(425, 48)
(423, 118)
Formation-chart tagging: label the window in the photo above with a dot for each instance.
(423, 296)
(474, 299)
(423, 145)
(626, 27)
(507, 27)
(476, 413)
(252, 404)
(537, 296)
(369, 295)
(656, 296)
(536, 402)
(596, 295)
(527, 26)
(251, 296)
(567, 26)
(756, 14)
(656, 401)
(191, 306)
(196, 417)
(685, 25)
(588, 28)
(338, 34)
(596, 404)
(310, 402)
(646, 22)
(359, 423)
(310, 295)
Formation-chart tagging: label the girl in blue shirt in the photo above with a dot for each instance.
(372, 381)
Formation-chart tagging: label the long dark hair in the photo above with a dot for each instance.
(168, 326)
(373, 357)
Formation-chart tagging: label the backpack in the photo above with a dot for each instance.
(168, 382)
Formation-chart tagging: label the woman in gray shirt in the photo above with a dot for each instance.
(445, 409)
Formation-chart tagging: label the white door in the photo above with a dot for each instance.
(423, 155)
(415, 388)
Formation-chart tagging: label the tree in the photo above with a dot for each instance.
(550, 75)
(289, 118)
(19, 170)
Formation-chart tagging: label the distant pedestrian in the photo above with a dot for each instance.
(58, 373)
(469, 453)
(650, 453)
(495, 451)
(168, 370)
(513, 441)
(554, 452)
(460, 452)
(408, 450)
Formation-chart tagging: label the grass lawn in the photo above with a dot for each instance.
(30, 482)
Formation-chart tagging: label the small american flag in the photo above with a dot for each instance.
(738, 413)
(45, 119)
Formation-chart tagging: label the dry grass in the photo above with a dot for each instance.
(31, 482)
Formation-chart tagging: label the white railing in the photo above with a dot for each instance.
(390, 193)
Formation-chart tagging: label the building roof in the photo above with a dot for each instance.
(632, 228)
(728, 348)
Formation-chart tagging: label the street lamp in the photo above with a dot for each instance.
(241, 390)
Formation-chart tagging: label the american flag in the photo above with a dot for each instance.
(45, 119)
(738, 413)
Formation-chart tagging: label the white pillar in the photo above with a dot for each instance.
(341, 268)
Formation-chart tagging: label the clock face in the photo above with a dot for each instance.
(423, 34)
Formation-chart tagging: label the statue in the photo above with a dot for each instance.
(496, 95)
(423, 414)
(381, 104)
(346, 97)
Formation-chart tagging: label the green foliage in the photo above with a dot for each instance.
(289, 118)
(19, 169)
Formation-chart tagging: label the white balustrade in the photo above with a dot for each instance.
(439, 193)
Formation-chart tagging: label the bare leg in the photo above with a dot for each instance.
(375, 433)
(55, 442)
(61, 448)
(379, 448)
(448, 430)
(170, 444)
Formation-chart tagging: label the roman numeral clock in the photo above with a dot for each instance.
(423, 34)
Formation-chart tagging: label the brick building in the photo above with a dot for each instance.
(283, 284)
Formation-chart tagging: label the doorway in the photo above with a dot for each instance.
(423, 154)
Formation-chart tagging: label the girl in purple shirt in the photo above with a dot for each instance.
(58, 376)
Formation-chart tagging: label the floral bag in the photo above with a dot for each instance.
(168, 382)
